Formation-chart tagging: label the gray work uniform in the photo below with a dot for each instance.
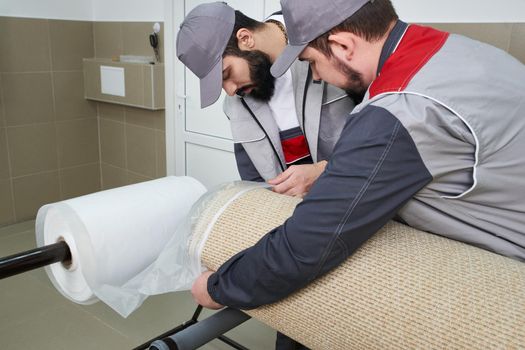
(437, 141)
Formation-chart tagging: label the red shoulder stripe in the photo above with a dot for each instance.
(416, 48)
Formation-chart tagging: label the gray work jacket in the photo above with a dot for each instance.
(322, 112)
(470, 133)
(438, 140)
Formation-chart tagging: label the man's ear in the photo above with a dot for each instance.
(245, 39)
(342, 44)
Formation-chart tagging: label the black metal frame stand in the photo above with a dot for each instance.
(200, 333)
(184, 334)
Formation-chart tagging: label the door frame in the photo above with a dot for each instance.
(177, 135)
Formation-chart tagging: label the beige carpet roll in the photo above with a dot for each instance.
(403, 289)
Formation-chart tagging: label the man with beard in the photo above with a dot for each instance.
(267, 115)
(437, 141)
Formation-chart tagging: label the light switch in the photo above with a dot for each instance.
(112, 81)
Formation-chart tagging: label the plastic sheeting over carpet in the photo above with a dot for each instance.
(403, 289)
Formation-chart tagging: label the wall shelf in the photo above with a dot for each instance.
(143, 83)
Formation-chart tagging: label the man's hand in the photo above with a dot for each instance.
(199, 291)
(298, 179)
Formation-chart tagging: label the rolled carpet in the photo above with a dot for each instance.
(402, 289)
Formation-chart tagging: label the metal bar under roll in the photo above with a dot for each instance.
(33, 259)
(203, 331)
(191, 322)
(231, 343)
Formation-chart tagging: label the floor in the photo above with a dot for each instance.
(33, 315)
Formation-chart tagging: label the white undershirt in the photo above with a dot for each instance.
(282, 103)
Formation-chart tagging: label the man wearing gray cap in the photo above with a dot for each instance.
(229, 50)
(438, 141)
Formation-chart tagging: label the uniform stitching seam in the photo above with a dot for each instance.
(360, 194)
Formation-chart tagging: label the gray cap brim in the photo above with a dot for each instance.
(211, 85)
(285, 60)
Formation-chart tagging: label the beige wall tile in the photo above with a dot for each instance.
(77, 142)
(160, 153)
(2, 115)
(24, 44)
(71, 41)
(136, 38)
(146, 118)
(27, 98)
(108, 39)
(4, 160)
(112, 143)
(134, 86)
(31, 192)
(161, 125)
(154, 86)
(113, 176)
(7, 215)
(32, 148)
(92, 79)
(136, 178)
(159, 86)
(497, 34)
(69, 96)
(80, 180)
(111, 111)
(517, 41)
(140, 147)
(149, 96)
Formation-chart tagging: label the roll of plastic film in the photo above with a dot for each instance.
(113, 235)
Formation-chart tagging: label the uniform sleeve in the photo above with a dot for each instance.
(374, 170)
(246, 169)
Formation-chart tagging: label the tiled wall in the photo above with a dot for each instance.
(507, 36)
(132, 140)
(132, 144)
(48, 132)
(54, 144)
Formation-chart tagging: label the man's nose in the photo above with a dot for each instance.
(229, 87)
(315, 75)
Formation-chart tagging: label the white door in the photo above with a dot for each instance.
(203, 145)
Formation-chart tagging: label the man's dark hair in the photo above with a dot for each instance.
(241, 21)
(371, 22)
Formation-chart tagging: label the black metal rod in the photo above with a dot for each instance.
(177, 329)
(33, 259)
(232, 343)
(202, 332)
(193, 320)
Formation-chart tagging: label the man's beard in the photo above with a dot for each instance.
(355, 87)
(262, 80)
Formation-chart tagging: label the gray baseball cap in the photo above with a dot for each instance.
(201, 41)
(306, 20)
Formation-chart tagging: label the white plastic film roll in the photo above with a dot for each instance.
(113, 235)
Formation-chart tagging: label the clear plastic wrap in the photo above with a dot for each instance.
(178, 265)
(113, 236)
